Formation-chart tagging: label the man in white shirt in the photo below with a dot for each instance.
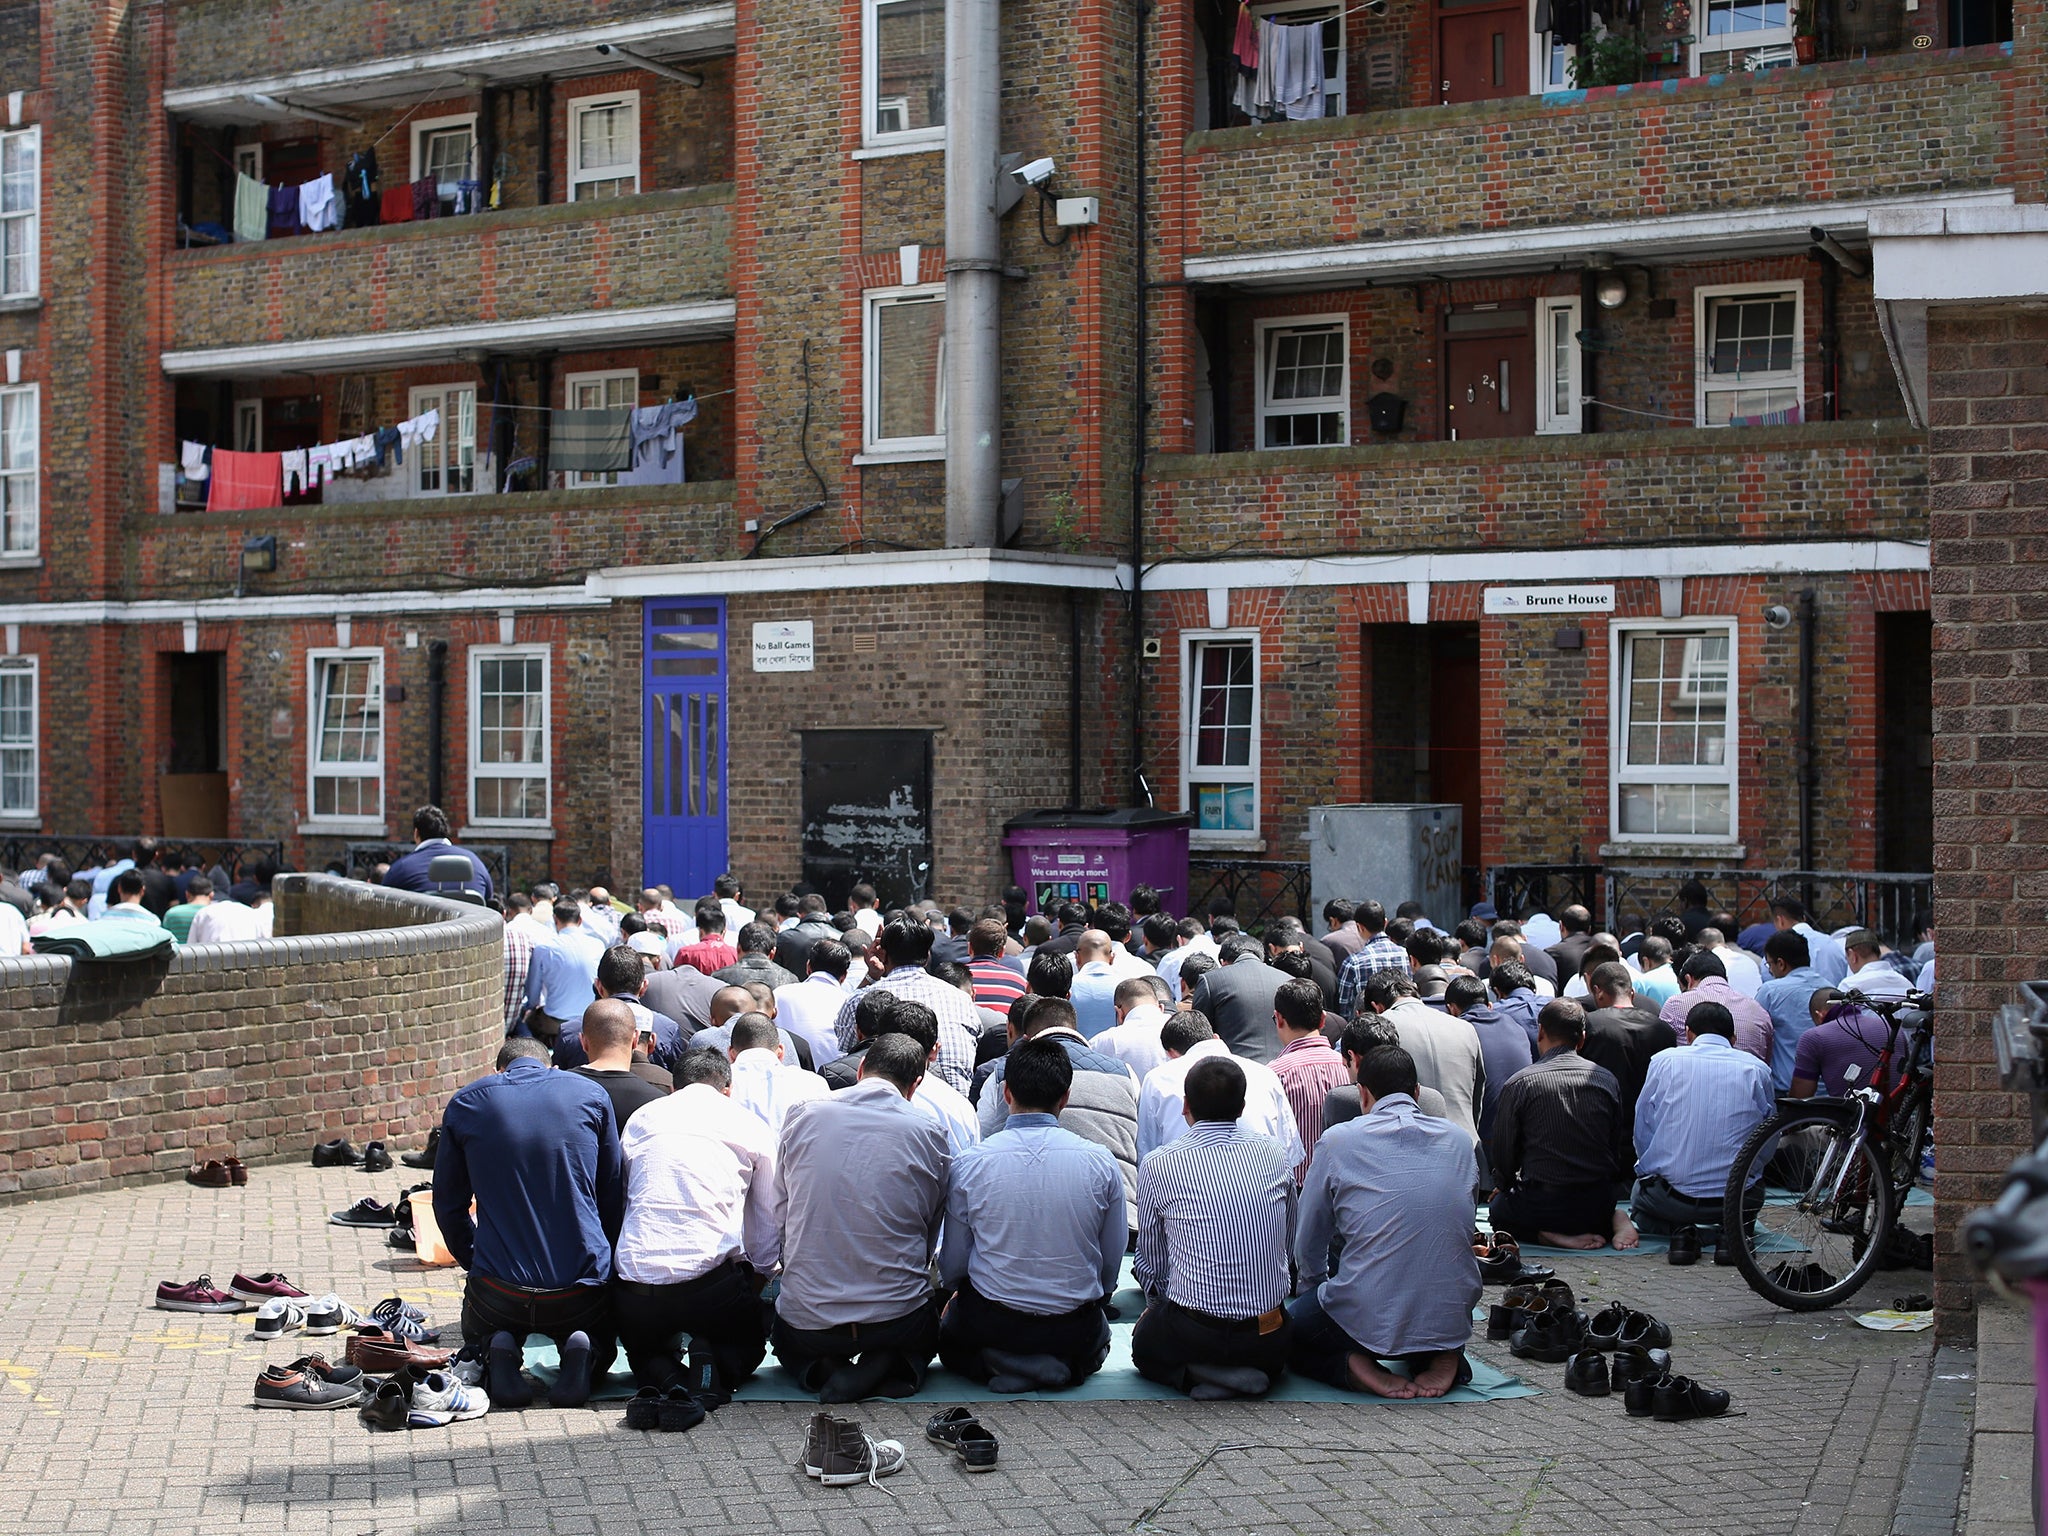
(1194, 940)
(234, 920)
(810, 1008)
(702, 1231)
(761, 1082)
(1140, 1015)
(1188, 1038)
(1744, 974)
(538, 920)
(866, 909)
(1868, 973)
(727, 889)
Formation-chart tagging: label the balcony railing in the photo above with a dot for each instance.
(1626, 899)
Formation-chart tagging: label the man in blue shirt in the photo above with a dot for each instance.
(1513, 986)
(1395, 1188)
(1698, 1105)
(1503, 1046)
(622, 974)
(1786, 996)
(1093, 992)
(1788, 915)
(539, 1151)
(561, 978)
(408, 872)
(1034, 1239)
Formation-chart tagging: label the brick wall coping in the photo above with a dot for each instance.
(1897, 436)
(713, 194)
(601, 498)
(1798, 81)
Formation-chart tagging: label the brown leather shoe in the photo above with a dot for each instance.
(380, 1354)
(237, 1172)
(210, 1175)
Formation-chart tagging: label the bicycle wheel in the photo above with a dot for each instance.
(1818, 1248)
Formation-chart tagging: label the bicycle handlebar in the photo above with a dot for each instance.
(2010, 1237)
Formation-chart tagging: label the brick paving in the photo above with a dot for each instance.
(117, 1418)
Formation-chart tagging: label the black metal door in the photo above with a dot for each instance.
(868, 814)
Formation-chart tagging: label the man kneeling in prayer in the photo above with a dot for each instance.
(1395, 1188)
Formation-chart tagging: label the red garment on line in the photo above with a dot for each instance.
(1245, 46)
(394, 204)
(244, 482)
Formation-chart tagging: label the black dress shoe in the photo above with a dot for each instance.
(1604, 1331)
(424, 1158)
(1503, 1322)
(1724, 1251)
(1639, 1398)
(1586, 1374)
(1685, 1246)
(1547, 1295)
(1643, 1331)
(1680, 1397)
(1552, 1338)
(1634, 1365)
(376, 1158)
(1501, 1265)
(335, 1154)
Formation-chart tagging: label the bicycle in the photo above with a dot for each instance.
(1849, 1163)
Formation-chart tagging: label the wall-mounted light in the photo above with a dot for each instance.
(1611, 290)
(1778, 616)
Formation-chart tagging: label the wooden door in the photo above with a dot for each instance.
(1482, 52)
(1489, 385)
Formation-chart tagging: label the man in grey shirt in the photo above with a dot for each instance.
(1395, 1187)
(1237, 998)
(862, 1177)
(1445, 1050)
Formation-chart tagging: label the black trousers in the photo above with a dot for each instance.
(906, 1344)
(497, 1306)
(718, 1310)
(1170, 1337)
(1569, 1210)
(1078, 1339)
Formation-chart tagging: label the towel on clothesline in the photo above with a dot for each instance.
(193, 459)
(284, 211)
(252, 208)
(1245, 46)
(590, 442)
(1288, 81)
(245, 482)
(318, 208)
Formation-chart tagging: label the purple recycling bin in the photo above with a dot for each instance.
(1098, 856)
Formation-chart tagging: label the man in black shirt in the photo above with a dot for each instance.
(608, 1033)
(1621, 1036)
(1561, 1142)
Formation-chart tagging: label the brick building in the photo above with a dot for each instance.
(1469, 432)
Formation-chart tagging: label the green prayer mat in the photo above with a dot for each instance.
(1646, 1245)
(119, 939)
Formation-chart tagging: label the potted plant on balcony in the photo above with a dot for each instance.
(1608, 57)
(1805, 40)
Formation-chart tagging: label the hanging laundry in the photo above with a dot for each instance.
(244, 482)
(469, 197)
(318, 208)
(590, 442)
(252, 208)
(294, 471)
(284, 211)
(1245, 46)
(389, 445)
(394, 204)
(359, 189)
(193, 459)
(1254, 94)
(1298, 71)
(428, 423)
(658, 443)
(426, 198)
(319, 466)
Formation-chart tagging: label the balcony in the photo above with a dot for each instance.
(1675, 162)
(1843, 480)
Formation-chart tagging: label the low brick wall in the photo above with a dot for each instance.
(359, 1019)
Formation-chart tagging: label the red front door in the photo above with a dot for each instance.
(1482, 52)
(1489, 378)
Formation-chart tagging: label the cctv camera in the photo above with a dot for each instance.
(1778, 616)
(1374, 7)
(1036, 173)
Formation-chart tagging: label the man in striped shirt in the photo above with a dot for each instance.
(1216, 1213)
(1377, 953)
(997, 982)
(518, 956)
(905, 948)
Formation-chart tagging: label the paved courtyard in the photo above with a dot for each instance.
(118, 1418)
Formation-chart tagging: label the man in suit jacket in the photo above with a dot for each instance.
(1237, 999)
(1570, 951)
(1288, 934)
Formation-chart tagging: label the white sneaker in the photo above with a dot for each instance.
(440, 1399)
(278, 1317)
(330, 1314)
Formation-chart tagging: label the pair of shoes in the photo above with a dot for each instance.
(1619, 1327)
(1551, 1337)
(1674, 1399)
(838, 1454)
(382, 1354)
(1524, 1303)
(1685, 1246)
(217, 1175)
(310, 1382)
(400, 1318)
(366, 1212)
(673, 1411)
(424, 1158)
(196, 1296)
(336, 1154)
(966, 1436)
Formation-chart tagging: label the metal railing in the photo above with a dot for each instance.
(96, 850)
(1627, 898)
(1259, 889)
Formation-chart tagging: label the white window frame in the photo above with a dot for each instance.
(572, 478)
(25, 548)
(871, 100)
(542, 770)
(315, 769)
(249, 160)
(1324, 405)
(1703, 341)
(19, 815)
(249, 426)
(873, 302)
(1549, 420)
(1294, 12)
(31, 218)
(1192, 643)
(1620, 632)
(1778, 40)
(421, 127)
(578, 175)
(434, 397)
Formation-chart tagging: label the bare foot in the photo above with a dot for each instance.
(1625, 1234)
(1436, 1380)
(1368, 1375)
(1575, 1240)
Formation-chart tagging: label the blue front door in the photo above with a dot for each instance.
(683, 797)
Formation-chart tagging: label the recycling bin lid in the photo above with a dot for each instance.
(1099, 816)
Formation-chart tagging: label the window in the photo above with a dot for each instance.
(1751, 369)
(1757, 33)
(1674, 733)
(1332, 19)
(1220, 753)
(445, 149)
(249, 160)
(903, 71)
(1557, 365)
(18, 751)
(508, 734)
(1304, 386)
(447, 465)
(248, 426)
(19, 440)
(604, 146)
(20, 196)
(906, 370)
(347, 736)
(615, 391)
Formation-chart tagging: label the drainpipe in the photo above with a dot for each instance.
(1589, 357)
(1807, 775)
(437, 699)
(1830, 341)
(544, 167)
(974, 273)
(486, 144)
(1141, 793)
(1073, 700)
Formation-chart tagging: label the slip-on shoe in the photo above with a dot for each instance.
(335, 1154)
(376, 1158)
(1586, 1374)
(209, 1175)
(1685, 1246)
